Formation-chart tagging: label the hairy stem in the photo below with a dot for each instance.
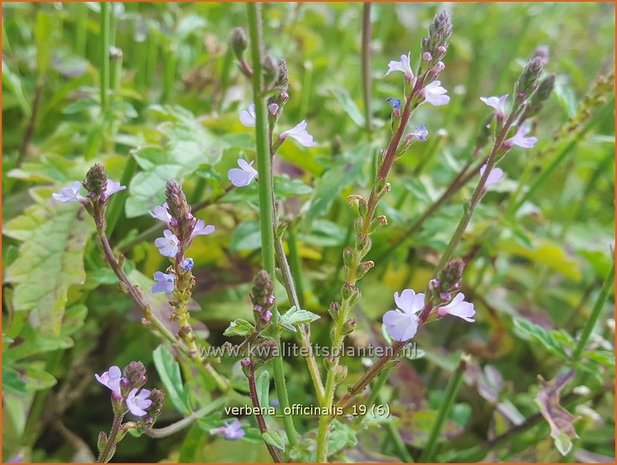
(108, 452)
(266, 197)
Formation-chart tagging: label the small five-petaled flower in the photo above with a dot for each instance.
(232, 430)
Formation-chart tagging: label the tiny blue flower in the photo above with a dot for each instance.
(396, 104)
(420, 133)
(164, 282)
(187, 264)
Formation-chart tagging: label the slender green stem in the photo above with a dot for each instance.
(304, 330)
(366, 65)
(186, 421)
(595, 314)
(444, 409)
(294, 263)
(266, 197)
(104, 55)
(399, 444)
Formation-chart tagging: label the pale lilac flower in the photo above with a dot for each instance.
(168, 245)
(232, 430)
(435, 94)
(402, 323)
(494, 177)
(111, 188)
(111, 378)
(165, 282)
(520, 140)
(404, 66)
(273, 108)
(300, 134)
(497, 103)
(202, 229)
(69, 194)
(396, 105)
(458, 307)
(161, 213)
(187, 264)
(247, 117)
(242, 176)
(420, 133)
(138, 403)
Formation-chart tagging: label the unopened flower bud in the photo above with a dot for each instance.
(439, 67)
(135, 373)
(528, 80)
(427, 56)
(441, 49)
(96, 180)
(363, 246)
(349, 327)
(380, 222)
(329, 361)
(445, 296)
(350, 293)
(433, 284)
(347, 256)
(238, 42)
(334, 310)
(451, 274)
(158, 398)
(246, 364)
(364, 268)
(177, 204)
(271, 70)
(540, 96)
(273, 109)
(266, 316)
(262, 289)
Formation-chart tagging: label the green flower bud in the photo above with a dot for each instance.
(238, 42)
(96, 180)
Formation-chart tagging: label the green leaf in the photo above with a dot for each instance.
(11, 380)
(547, 253)
(557, 342)
(263, 389)
(50, 261)
(188, 146)
(239, 328)
(169, 372)
(325, 233)
(341, 437)
(272, 438)
(246, 236)
(294, 317)
(35, 377)
(350, 107)
(341, 174)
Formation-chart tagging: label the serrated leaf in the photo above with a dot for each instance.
(169, 372)
(239, 328)
(50, 261)
(295, 317)
(557, 342)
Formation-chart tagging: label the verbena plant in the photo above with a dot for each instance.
(287, 375)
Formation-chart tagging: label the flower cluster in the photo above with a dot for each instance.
(99, 188)
(127, 393)
(262, 297)
(182, 228)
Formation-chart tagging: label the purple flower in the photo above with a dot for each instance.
(111, 378)
(242, 176)
(396, 104)
(273, 109)
(187, 264)
(202, 229)
(520, 140)
(161, 213)
(497, 103)
(232, 430)
(494, 177)
(168, 245)
(164, 282)
(435, 94)
(402, 323)
(138, 403)
(69, 194)
(404, 66)
(111, 188)
(458, 307)
(247, 117)
(420, 133)
(300, 134)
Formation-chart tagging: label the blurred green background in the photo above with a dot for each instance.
(538, 248)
